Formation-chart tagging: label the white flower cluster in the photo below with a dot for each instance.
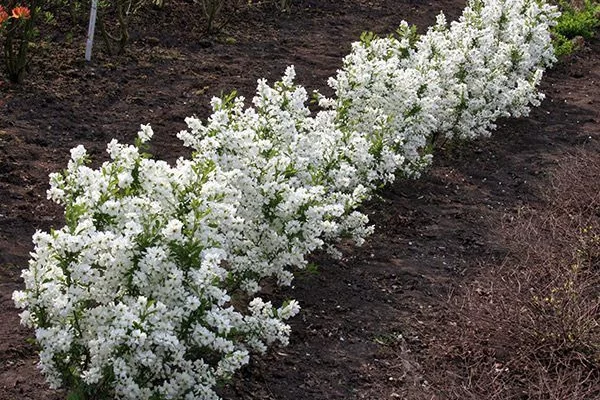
(454, 81)
(150, 290)
(132, 293)
(296, 185)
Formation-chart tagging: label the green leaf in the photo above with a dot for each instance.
(76, 395)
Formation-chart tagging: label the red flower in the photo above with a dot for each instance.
(3, 15)
(21, 12)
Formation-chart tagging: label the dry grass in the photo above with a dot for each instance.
(530, 328)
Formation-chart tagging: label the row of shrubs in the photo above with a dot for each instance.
(152, 289)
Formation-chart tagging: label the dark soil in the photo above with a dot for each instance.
(367, 319)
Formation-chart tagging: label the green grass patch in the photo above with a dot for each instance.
(573, 23)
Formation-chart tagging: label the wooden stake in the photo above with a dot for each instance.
(92, 26)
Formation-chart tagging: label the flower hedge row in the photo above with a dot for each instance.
(151, 290)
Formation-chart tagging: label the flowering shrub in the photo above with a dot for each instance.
(297, 190)
(489, 63)
(18, 28)
(131, 295)
(453, 81)
(150, 290)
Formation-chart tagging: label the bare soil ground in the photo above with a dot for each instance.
(370, 321)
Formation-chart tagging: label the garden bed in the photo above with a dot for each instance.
(369, 319)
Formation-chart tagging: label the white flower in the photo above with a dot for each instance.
(145, 133)
(78, 153)
(172, 231)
